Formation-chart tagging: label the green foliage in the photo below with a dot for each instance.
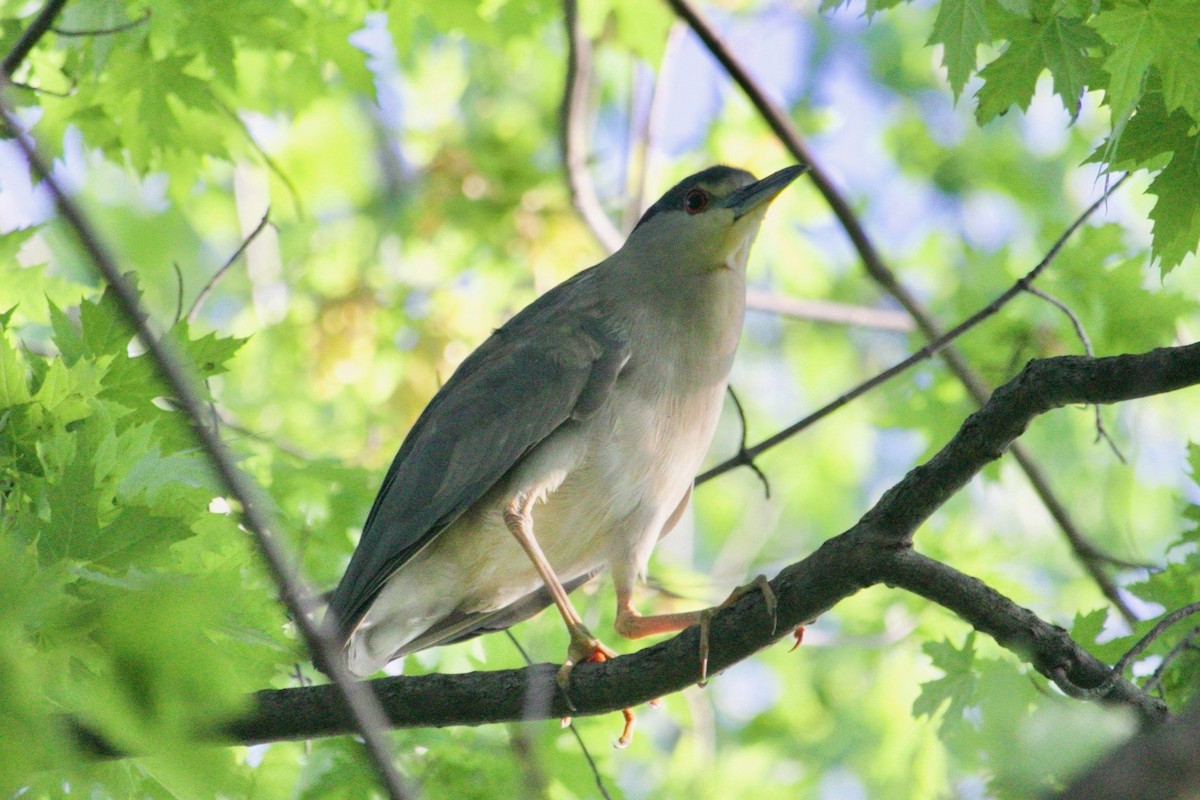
(1145, 56)
(115, 623)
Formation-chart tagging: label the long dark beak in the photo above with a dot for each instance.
(748, 198)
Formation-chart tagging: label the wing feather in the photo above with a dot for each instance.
(555, 361)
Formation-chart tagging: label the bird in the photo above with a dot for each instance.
(564, 446)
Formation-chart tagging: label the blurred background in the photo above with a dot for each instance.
(408, 164)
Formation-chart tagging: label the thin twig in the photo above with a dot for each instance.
(142, 20)
(1118, 670)
(750, 453)
(368, 715)
(1188, 642)
(828, 311)
(1101, 431)
(587, 754)
(655, 117)
(641, 133)
(749, 460)
(883, 275)
(272, 165)
(574, 137)
(1159, 628)
(41, 90)
(37, 29)
(178, 291)
(206, 290)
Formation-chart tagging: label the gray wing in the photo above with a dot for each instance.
(555, 361)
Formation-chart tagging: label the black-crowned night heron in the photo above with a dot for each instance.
(566, 444)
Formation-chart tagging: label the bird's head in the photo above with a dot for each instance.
(709, 220)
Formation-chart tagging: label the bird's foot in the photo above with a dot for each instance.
(586, 648)
(759, 584)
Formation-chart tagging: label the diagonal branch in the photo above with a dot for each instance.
(40, 26)
(574, 135)
(876, 550)
(367, 718)
(115, 29)
(206, 290)
(746, 455)
(1088, 555)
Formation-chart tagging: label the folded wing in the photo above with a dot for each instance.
(555, 361)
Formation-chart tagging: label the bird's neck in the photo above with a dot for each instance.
(690, 320)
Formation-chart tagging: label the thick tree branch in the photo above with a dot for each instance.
(876, 550)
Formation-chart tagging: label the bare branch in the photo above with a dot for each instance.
(37, 29)
(133, 23)
(929, 350)
(828, 311)
(271, 164)
(741, 412)
(365, 714)
(574, 136)
(206, 290)
(1188, 642)
(883, 275)
(1101, 432)
(1158, 630)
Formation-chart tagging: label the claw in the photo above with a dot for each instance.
(705, 621)
(584, 649)
(627, 731)
(798, 635)
(761, 584)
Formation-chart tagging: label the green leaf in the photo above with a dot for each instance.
(1087, 627)
(1128, 28)
(1009, 80)
(73, 500)
(1161, 32)
(67, 393)
(1056, 43)
(956, 687)
(104, 328)
(960, 27)
(14, 383)
(67, 335)
(1176, 213)
(209, 354)
(1066, 44)
(1148, 140)
(1178, 54)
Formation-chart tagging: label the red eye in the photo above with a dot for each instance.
(695, 201)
